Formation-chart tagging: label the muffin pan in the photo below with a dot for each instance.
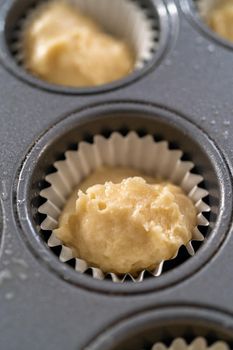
(183, 95)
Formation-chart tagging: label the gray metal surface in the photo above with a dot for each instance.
(39, 309)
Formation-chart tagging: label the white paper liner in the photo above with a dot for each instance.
(141, 153)
(199, 343)
(124, 19)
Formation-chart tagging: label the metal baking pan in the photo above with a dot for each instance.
(183, 95)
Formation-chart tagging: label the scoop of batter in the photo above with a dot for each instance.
(100, 176)
(220, 19)
(128, 226)
(64, 47)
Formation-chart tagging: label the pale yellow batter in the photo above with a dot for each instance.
(220, 19)
(64, 47)
(127, 226)
(100, 176)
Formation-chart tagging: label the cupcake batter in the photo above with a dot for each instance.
(126, 226)
(64, 47)
(100, 176)
(220, 19)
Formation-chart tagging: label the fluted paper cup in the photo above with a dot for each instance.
(140, 153)
(199, 343)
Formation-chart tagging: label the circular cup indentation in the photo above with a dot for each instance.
(190, 8)
(143, 330)
(125, 117)
(13, 13)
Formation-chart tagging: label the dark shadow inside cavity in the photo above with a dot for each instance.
(143, 126)
(56, 250)
(180, 259)
(71, 263)
(88, 272)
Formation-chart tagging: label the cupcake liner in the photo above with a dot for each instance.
(122, 18)
(199, 343)
(141, 153)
